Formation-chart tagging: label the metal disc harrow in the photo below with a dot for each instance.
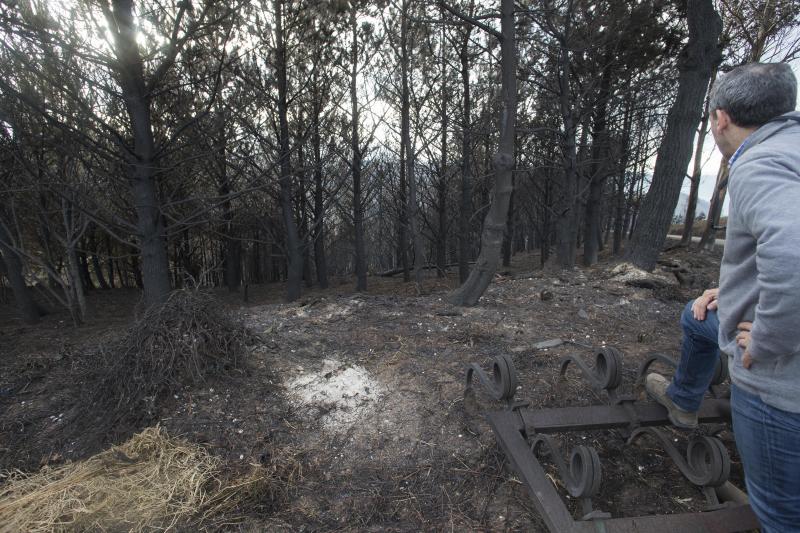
(525, 435)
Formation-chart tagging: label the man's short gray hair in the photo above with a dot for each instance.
(755, 93)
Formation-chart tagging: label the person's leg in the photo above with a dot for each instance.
(768, 440)
(699, 356)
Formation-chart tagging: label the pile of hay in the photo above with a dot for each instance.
(150, 482)
(180, 342)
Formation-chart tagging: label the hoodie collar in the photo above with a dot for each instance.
(770, 128)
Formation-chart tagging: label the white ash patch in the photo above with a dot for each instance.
(630, 275)
(340, 310)
(342, 394)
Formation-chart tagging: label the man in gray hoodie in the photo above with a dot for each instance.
(756, 128)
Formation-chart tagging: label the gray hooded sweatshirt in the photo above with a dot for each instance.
(760, 272)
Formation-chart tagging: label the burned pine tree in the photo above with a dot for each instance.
(697, 62)
(494, 224)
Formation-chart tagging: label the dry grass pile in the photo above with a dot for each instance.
(181, 342)
(152, 482)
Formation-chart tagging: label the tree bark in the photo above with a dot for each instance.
(465, 213)
(98, 271)
(698, 59)
(402, 219)
(405, 139)
(96, 265)
(26, 306)
(86, 275)
(110, 262)
(150, 228)
(293, 249)
(355, 144)
(619, 215)
(598, 167)
(508, 244)
(231, 246)
(303, 200)
(77, 297)
(709, 237)
(567, 213)
(77, 292)
(45, 237)
(691, 204)
(320, 261)
(441, 245)
(495, 222)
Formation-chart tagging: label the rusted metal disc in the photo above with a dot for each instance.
(505, 377)
(708, 460)
(585, 472)
(607, 364)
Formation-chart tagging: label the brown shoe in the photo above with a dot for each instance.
(656, 387)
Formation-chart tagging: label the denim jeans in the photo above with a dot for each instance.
(768, 440)
(699, 355)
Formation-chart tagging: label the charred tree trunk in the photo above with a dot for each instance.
(149, 222)
(619, 214)
(405, 139)
(441, 244)
(86, 275)
(26, 306)
(355, 144)
(110, 262)
(136, 271)
(45, 237)
(232, 249)
(698, 60)
(546, 226)
(691, 204)
(709, 237)
(98, 271)
(96, 265)
(598, 168)
(465, 213)
(636, 199)
(303, 200)
(566, 207)
(77, 298)
(632, 198)
(75, 291)
(508, 241)
(441, 207)
(402, 223)
(495, 222)
(320, 261)
(293, 247)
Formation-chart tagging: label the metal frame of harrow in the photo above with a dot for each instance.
(524, 436)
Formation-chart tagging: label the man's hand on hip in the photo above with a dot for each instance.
(706, 302)
(743, 339)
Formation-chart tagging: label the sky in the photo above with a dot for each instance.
(712, 159)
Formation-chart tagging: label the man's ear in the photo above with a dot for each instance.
(722, 118)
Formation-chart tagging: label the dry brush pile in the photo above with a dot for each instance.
(180, 343)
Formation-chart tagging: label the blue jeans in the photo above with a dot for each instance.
(768, 440)
(699, 355)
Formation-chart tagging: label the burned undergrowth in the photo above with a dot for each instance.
(180, 343)
(103, 392)
(364, 395)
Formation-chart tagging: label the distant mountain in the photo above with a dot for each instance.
(680, 209)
